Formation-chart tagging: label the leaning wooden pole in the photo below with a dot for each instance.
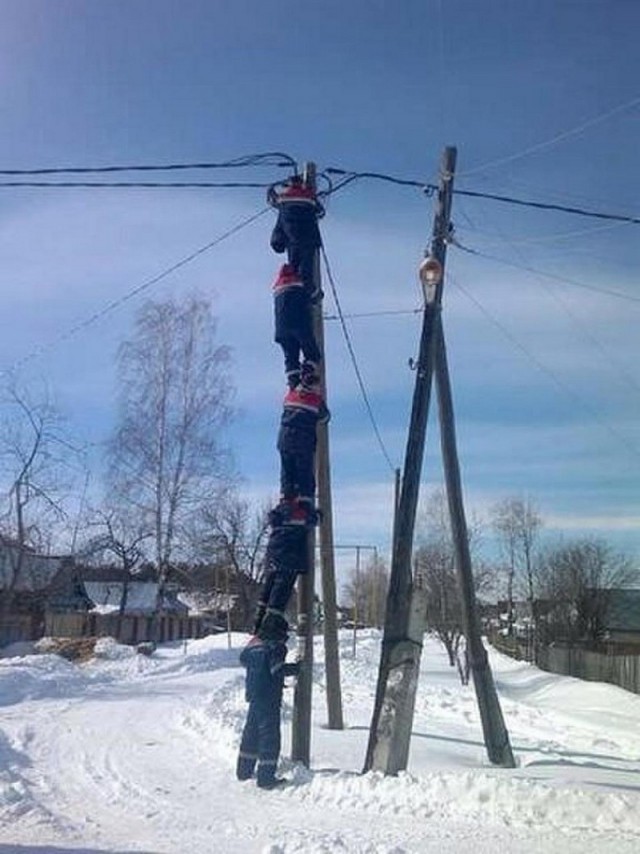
(496, 737)
(405, 618)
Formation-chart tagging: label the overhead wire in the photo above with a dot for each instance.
(554, 140)
(136, 291)
(270, 158)
(607, 291)
(430, 189)
(548, 238)
(354, 362)
(542, 367)
(619, 370)
(140, 184)
(548, 206)
(382, 313)
(348, 178)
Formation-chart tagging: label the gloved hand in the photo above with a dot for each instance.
(292, 668)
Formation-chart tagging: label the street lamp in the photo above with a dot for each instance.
(430, 274)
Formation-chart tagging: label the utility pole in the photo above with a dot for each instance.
(496, 737)
(405, 619)
(356, 614)
(327, 562)
(397, 479)
(390, 733)
(301, 721)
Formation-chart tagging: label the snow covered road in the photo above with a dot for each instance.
(129, 754)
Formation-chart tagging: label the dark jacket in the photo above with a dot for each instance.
(266, 669)
(287, 550)
(297, 223)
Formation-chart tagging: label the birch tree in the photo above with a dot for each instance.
(168, 455)
(35, 477)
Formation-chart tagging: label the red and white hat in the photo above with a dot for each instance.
(287, 278)
(296, 193)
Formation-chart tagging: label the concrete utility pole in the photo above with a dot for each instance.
(301, 721)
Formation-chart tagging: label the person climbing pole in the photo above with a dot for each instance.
(294, 326)
(287, 556)
(303, 407)
(296, 230)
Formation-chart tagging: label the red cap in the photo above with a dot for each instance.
(287, 278)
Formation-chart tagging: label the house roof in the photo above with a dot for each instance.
(36, 575)
(202, 602)
(623, 613)
(107, 595)
(141, 597)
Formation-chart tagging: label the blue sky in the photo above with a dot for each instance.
(542, 99)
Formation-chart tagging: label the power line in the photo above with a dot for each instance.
(107, 309)
(560, 137)
(141, 184)
(429, 189)
(384, 313)
(542, 367)
(379, 176)
(548, 206)
(349, 177)
(553, 293)
(548, 238)
(554, 276)
(270, 158)
(354, 362)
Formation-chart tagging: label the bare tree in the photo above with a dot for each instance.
(120, 538)
(517, 523)
(435, 571)
(366, 591)
(576, 580)
(235, 540)
(168, 457)
(34, 456)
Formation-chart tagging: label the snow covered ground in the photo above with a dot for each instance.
(127, 753)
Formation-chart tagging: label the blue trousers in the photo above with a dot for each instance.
(260, 744)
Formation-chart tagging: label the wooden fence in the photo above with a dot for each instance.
(128, 629)
(19, 627)
(621, 670)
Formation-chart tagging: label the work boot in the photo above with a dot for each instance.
(293, 378)
(245, 766)
(309, 374)
(272, 783)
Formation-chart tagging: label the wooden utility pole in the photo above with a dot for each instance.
(327, 562)
(405, 619)
(496, 737)
(301, 721)
(390, 733)
(356, 610)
